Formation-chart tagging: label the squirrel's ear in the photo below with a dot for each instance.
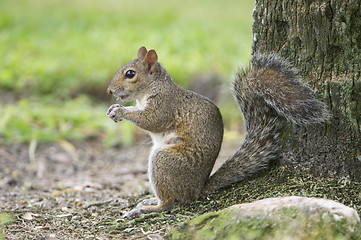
(142, 52)
(151, 58)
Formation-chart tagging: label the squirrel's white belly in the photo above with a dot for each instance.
(161, 141)
(164, 140)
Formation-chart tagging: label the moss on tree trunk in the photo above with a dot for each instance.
(322, 39)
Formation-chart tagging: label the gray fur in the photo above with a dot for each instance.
(268, 94)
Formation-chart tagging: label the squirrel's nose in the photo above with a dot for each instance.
(109, 91)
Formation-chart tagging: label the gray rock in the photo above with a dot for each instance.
(276, 218)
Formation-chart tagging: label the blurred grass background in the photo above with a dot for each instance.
(57, 57)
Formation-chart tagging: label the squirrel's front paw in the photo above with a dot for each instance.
(115, 112)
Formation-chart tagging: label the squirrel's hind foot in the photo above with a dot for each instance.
(148, 202)
(147, 206)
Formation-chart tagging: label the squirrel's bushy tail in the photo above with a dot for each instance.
(268, 94)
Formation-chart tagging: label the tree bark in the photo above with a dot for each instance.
(322, 38)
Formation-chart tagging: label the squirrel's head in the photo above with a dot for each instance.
(131, 81)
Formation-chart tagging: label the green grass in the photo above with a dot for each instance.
(5, 218)
(46, 121)
(56, 50)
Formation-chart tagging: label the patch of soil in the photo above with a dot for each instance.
(78, 191)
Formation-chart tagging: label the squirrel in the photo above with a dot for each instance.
(187, 128)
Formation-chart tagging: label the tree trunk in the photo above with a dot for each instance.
(322, 38)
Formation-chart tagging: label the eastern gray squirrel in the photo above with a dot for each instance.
(187, 129)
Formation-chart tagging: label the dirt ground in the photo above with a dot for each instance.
(78, 191)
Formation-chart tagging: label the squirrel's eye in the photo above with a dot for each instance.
(130, 74)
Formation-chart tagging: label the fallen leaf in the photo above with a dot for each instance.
(28, 216)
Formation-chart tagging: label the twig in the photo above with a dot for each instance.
(32, 149)
(98, 203)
